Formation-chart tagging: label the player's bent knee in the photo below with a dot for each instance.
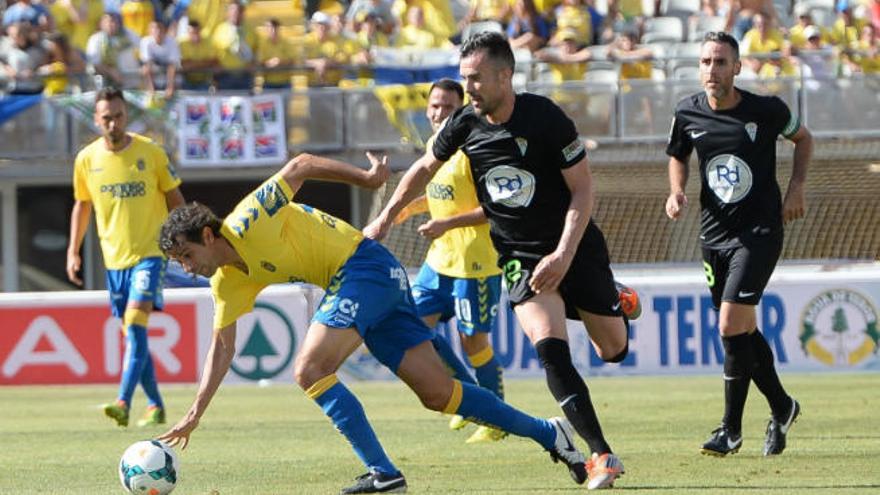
(434, 400)
(619, 357)
(307, 372)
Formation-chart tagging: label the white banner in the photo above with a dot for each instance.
(813, 320)
(235, 130)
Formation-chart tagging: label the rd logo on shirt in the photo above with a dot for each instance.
(729, 177)
(510, 186)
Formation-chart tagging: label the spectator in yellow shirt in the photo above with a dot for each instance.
(77, 19)
(568, 59)
(236, 45)
(865, 56)
(573, 16)
(635, 61)
(197, 58)
(796, 36)
(767, 43)
(137, 16)
(847, 29)
(275, 52)
(414, 35)
(326, 52)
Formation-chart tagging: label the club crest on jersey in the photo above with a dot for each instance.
(752, 130)
(522, 144)
(141, 165)
(729, 177)
(510, 186)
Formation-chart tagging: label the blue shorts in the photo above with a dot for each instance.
(473, 301)
(371, 293)
(142, 282)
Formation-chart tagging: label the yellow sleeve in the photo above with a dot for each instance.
(80, 185)
(168, 178)
(234, 295)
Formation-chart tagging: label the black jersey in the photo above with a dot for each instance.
(517, 168)
(740, 196)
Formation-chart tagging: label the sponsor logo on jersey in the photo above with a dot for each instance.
(839, 328)
(522, 144)
(271, 198)
(752, 130)
(571, 151)
(698, 134)
(510, 186)
(441, 191)
(125, 189)
(729, 177)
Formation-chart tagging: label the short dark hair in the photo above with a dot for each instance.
(109, 93)
(195, 24)
(447, 84)
(722, 37)
(494, 44)
(189, 220)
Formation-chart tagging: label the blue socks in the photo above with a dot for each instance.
(138, 367)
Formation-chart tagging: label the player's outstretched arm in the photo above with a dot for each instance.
(217, 364)
(415, 207)
(411, 185)
(79, 222)
(434, 228)
(306, 166)
(794, 205)
(678, 176)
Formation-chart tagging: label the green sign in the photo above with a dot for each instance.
(260, 348)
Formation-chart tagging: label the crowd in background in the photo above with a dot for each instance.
(50, 46)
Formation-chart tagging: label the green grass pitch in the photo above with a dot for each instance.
(272, 440)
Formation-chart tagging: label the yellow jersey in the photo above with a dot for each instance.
(197, 52)
(282, 49)
(464, 252)
(280, 241)
(127, 190)
(236, 46)
(137, 16)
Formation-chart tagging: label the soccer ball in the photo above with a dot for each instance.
(148, 468)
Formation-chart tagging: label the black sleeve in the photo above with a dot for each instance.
(785, 122)
(452, 134)
(680, 145)
(566, 145)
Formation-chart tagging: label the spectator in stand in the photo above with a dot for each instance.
(112, 50)
(368, 35)
(816, 58)
(527, 28)
(160, 56)
(635, 61)
(413, 34)
(326, 52)
(359, 9)
(197, 58)
(797, 33)
(209, 14)
(137, 16)
(20, 58)
(276, 52)
(764, 49)
(741, 15)
(488, 10)
(865, 56)
(25, 11)
(236, 45)
(62, 61)
(624, 16)
(77, 19)
(568, 58)
(847, 28)
(573, 16)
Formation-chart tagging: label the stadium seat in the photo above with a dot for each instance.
(669, 29)
(601, 76)
(677, 8)
(703, 25)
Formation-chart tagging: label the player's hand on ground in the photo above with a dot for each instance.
(74, 262)
(432, 229)
(549, 272)
(179, 434)
(378, 228)
(795, 204)
(379, 170)
(675, 205)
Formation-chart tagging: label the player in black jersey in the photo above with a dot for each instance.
(734, 133)
(534, 185)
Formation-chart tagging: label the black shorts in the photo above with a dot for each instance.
(739, 275)
(588, 285)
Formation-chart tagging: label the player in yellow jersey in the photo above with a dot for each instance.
(269, 239)
(129, 183)
(460, 276)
